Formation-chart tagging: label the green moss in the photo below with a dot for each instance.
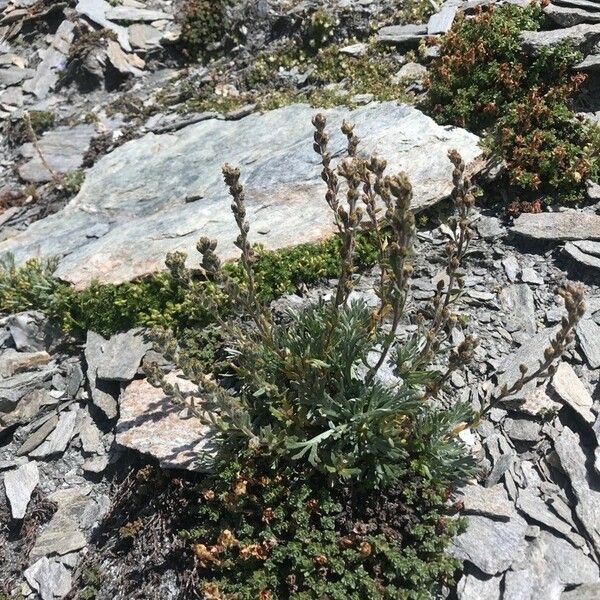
(160, 300)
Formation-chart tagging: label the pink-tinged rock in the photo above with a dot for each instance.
(154, 424)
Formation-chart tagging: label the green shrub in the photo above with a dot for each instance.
(546, 148)
(309, 437)
(203, 26)
(485, 82)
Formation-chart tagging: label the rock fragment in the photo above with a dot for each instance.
(19, 485)
(573, 461)
(441, 22)
(571, 390)
(54, 59)
(491, 545)
(152, 424)
(519, 308)
(572, 250)
(558, 226)
(59, 439)
(583, 37)
(489, 502)
(121, 355)
(402, 34)
(96, 11)
(588, 334)
(51, 579)
(136, 15)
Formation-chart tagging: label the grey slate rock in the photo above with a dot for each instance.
(587, 591)
(91, 436)
(138, 191)
(144, 37)
(489, 502)
(27, 409)
(570, 564)
(522, 430)
(59, 439)
(534, 508)
(589, 63)
(31, 331)
(590, 5)
(511, 267)
(54, 59)
(103, 392)
(593, 190)
(573, 392)
(76, 513)
(584, 259)
(135, 15)
(573, 461)
(14, 76)
(441, 22)
(583, 37)
(592, 248)
(50, 579)
(19, 485)
(12, 389)
(491, 545)
(559, 226)
(38, 436)
(477, 587)
(529, 354)
(519, 308)
(63, 149)
(529, 275)
(567, 16)
(402, 34)
(518, 585)
(588, 334)
(121, 355)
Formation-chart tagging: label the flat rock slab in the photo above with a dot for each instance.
(118, 358)
(567, 16)
(492, 502)
(584, 259)
(155, 425)
(161, 193)
(402, 34)
(491, 545)
(558, 227)
(582, 37)
(63, 149)
(132, 15)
